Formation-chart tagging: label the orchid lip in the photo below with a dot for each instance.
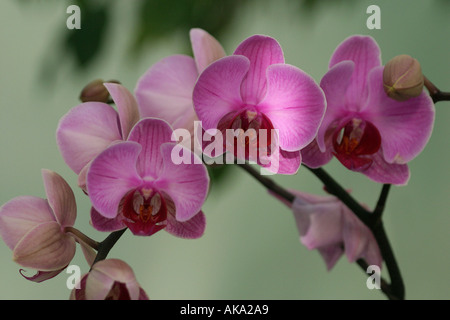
(355, 142)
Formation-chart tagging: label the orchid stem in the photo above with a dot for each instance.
(395, 290)
(80, 235)
(106, 245)
(436, 94)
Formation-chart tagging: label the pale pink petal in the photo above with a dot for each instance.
(111, 175)
(365, 53)
(217, 91)
(165, 90)
(359, 242)
(205, 47)
(150, 133)
(103, 275)
(262, 51)
(405, 126)
(85, 131)
(190, 229)
(45, 248)
(383, 172)
(20, 215)
(331, 255)
(186, 184)
(334, 85)
(41, 276)
(126, 106)
(60, 198)
(325, 225)
(295, 105)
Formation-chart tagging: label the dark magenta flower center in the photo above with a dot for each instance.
(248, 133)
(354, 144)
(145, 211)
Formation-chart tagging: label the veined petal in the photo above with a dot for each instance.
(295, 105)
(45, 248)
(262, 51)
(186, 183)
(365, 53)
(101, 223)
(150, 133)
(281, 162)
(60, 198)
(85, 131)
(383, 172)
(334, 85)
(405, 126)
(111, 175)
(190, 229)
(20, 215)
(313, 157)
(217, 91)
(205, 47)
(126, 107)
(165, 90)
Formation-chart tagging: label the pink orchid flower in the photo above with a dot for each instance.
(326, 224)
(136, 184)
(110, 279)
(91, 127)
(363, 128)
(255, 89)
(37, 230)
(165, 90)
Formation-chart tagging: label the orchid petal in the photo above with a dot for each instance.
(101, 223)
(20, 215)
(295, 105)
(262, 51)
(383, 172)
(365, 53)
(190, 229)
(60, 198)
(334, 85)
(405, 127)
(126, 107)
(205, 47)
(217, 91)
(186, 183)
(111, 175)
(85, 131)
(165, 90)
(150, 134)
(45, 248)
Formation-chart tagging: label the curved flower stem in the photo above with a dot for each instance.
(80, 235)
(395, 290)
(106, 245)
(436, 94)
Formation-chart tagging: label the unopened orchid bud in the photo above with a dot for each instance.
(403, 78)
(96, 91)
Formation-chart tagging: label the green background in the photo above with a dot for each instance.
(251, 247)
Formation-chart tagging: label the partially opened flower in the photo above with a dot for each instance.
(91, 127)
(36, 229)
(363, 128)
(136, 184)
(165, 90)
(110, 279)
(326, 224)
(254, 90)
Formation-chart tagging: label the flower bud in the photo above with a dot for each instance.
(95, 91)
(403, 78)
